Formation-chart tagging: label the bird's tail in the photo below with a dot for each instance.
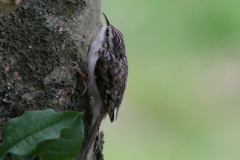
(92, 135)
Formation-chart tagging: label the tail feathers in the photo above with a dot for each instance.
(92, 135)
(117, 113)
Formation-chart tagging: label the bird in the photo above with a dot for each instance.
(107, 76)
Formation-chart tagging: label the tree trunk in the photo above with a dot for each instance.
(38, 43)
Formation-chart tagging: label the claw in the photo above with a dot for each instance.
(84, 77)
(85, 88)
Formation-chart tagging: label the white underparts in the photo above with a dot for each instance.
(92, 59)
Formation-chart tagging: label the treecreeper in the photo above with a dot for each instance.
(107, 76)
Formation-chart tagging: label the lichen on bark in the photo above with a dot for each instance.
(38, 43)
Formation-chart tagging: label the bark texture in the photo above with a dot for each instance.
(38, 43)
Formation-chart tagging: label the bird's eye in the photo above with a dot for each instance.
(107, 34)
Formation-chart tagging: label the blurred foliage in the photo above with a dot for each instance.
(182, 100)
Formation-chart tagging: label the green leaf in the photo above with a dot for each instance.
(64, 148)
(17, 157)
(22, 134)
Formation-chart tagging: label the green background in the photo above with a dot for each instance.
(182, 100)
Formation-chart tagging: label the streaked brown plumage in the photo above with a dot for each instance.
(107, 73)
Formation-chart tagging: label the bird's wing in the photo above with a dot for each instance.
(111, 75)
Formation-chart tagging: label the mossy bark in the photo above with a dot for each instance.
(38, 43)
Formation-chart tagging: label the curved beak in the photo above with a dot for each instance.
(108, 24)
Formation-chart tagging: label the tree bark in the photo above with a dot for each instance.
(38, 43)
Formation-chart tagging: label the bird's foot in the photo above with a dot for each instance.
(84, 77)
